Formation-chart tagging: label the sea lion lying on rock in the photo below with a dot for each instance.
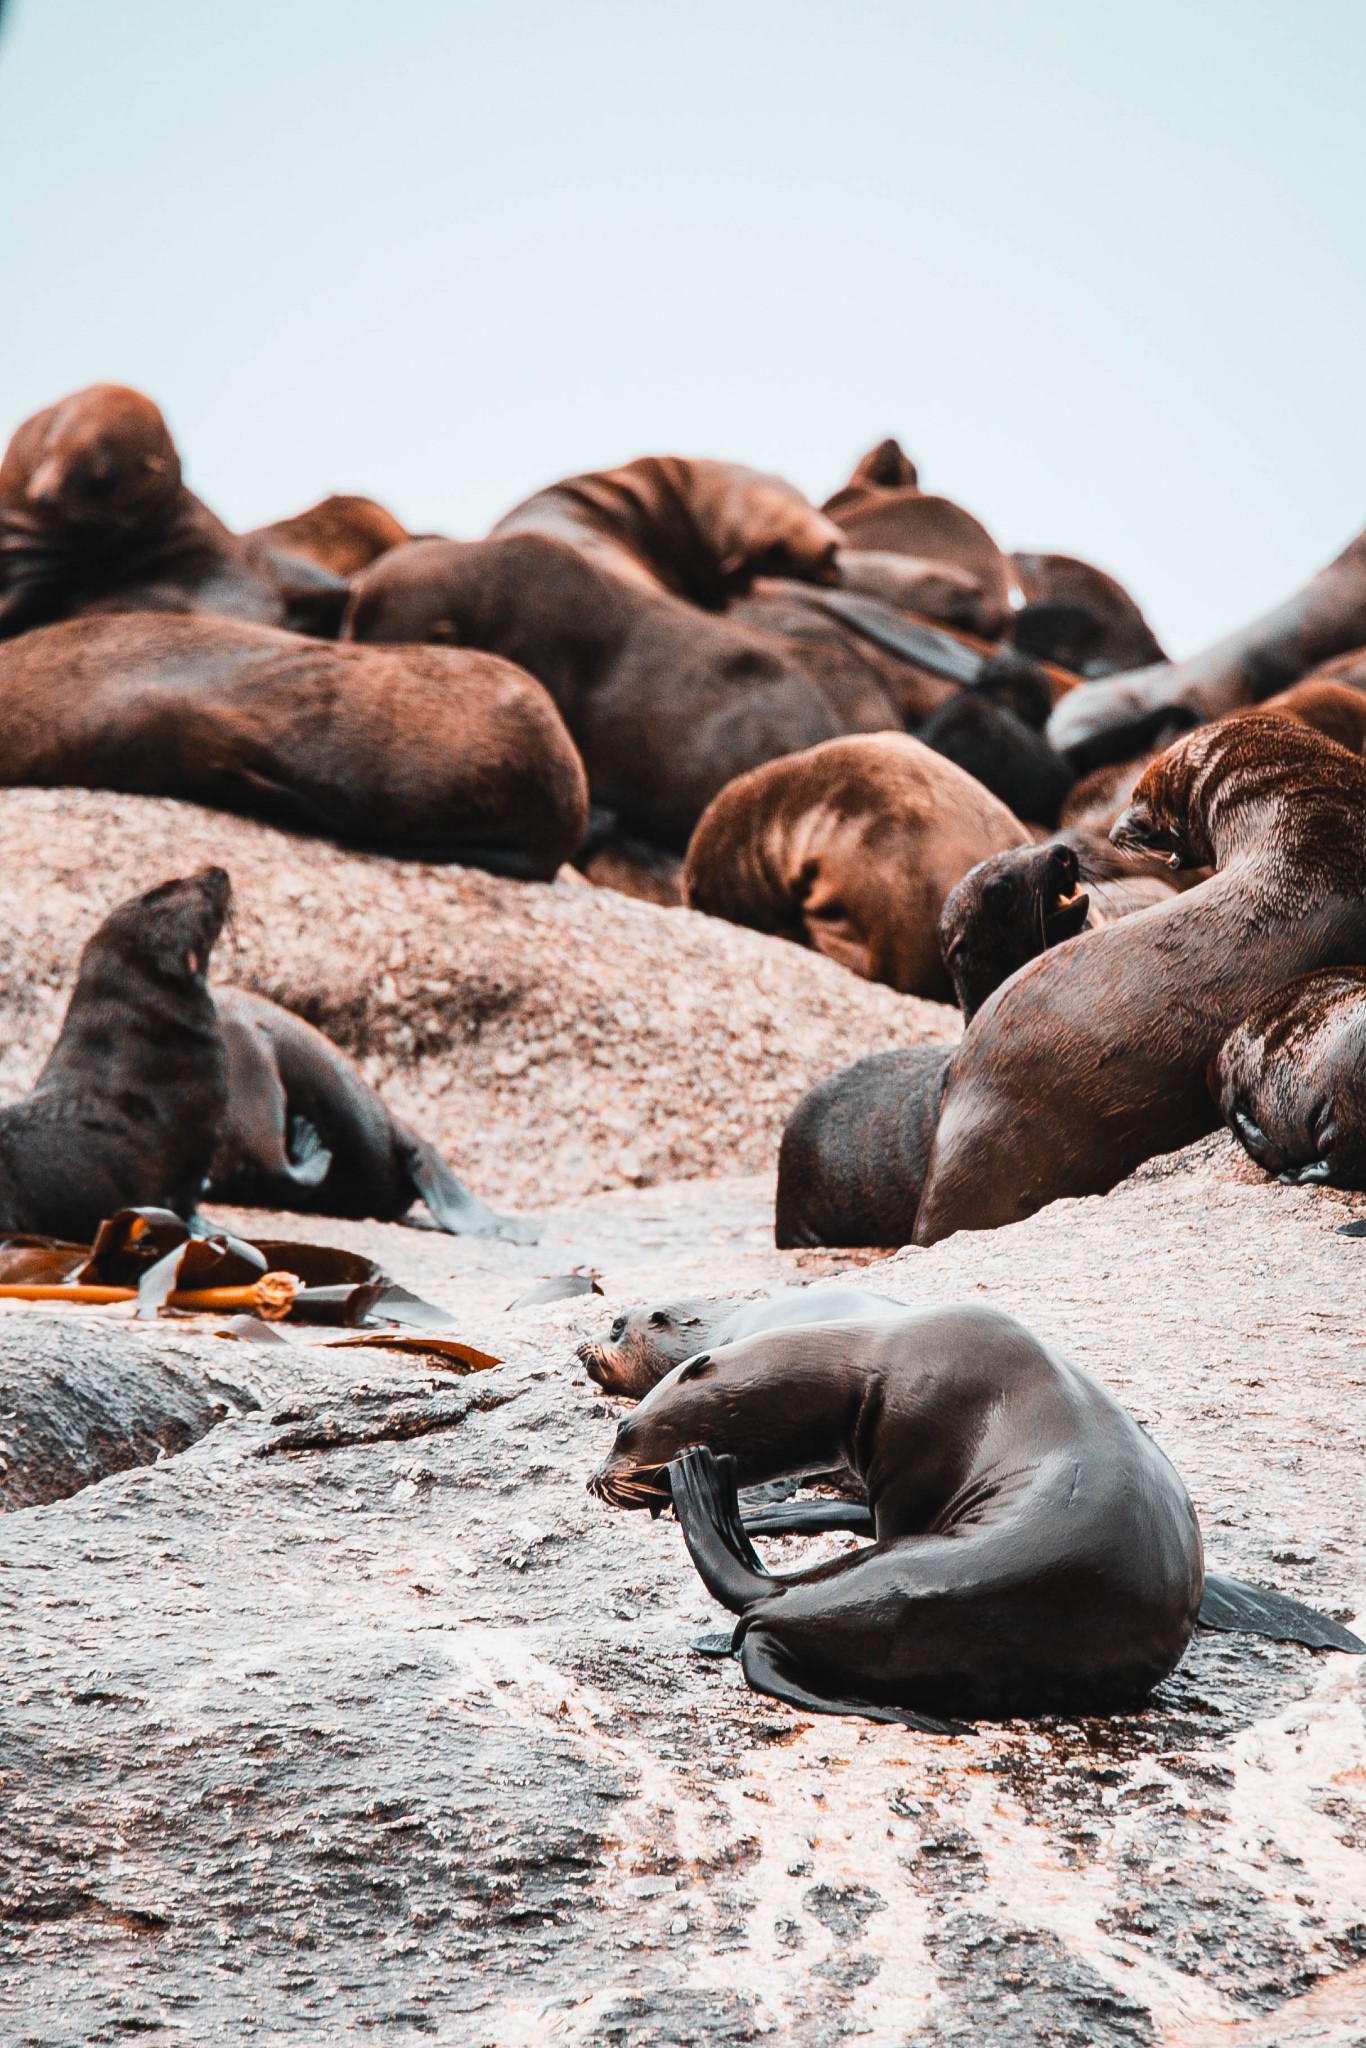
(124, 1112)
(851, 848)
(422, 752)
(666, 703)
(94, 517)
(340, 534)
(302, 1131)
(1015, 905)
(1105, 721)
(1093, 1057)
(854, 1152)
(700, 529)
(1078, 616)
(1290, 1081)
(1034, 1552)
(645, 1344)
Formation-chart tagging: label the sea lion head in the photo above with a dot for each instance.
(103, 457)
(754, 525)
(887, 467)
(169, 933)
(1005, 911)
(644, 1345)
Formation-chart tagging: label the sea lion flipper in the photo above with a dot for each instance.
(708, 1513)
(307, 1158)
(769, 1669)
(1235, 1606)
(810, 1518)
(453, 1206)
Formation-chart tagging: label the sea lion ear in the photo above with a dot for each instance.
(660, 1319)
(697, 1368)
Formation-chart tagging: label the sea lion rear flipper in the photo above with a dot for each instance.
(708, 1513)
(307, 1158)
(1234, 1605)
(453, 1206)
(810, 1518)
(769, 1669)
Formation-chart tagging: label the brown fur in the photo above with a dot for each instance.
(910, 522)
(340, 534)
(419, 751)
(1291, 1080)
(1334, 709)
(850, 847)
(1095, 802)
(887, 467)
(703, 530)
(870, 686)
(94, 517)
(1081, 617)
(1093, 1057)
(928, 589)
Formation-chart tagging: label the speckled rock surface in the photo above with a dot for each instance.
(402, 1739)
(553, 1039)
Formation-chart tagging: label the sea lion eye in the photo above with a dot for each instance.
(618, 1330)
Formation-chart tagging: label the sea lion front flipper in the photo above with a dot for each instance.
(769, 1669)
(708, 1513)
(307, 1159)
(810, 1518)
(1241, 1609)
(453, 1206)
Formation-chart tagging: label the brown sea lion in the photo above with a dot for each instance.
(852, 1162)
(645, 1344)
(1290, 1081)
(1034, 1551)
(1334, 709)
(417, 751)
(1015, 905)
(124, 1111)
(915, 523)
(1348, 669)
(1077, 615)
(340, 534)
(871, 684)
(851, 848)
(1093, 1057)
(703, 530)
(666, 703)
(94, 517)
(932, 590)
(302, 1131)
(1105, 721)
(886, 467)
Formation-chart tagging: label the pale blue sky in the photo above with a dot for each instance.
(1099, 267)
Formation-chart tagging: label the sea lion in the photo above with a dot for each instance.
(1078, 616)
(1096, 801)
(901, 519)
(702, 530)
(1003, 752)
(1290, 1081)
(870, 684)
(854, 1151)
(302, 1131)
(422, 752)
(851, 848)
(645, 1344)
(340, 534)
(1332, 708)
(1093, 1057)
(1105, 721)
(932, 590)
(886, 467)
(1015, 905)
(1034, 1551)
(94, 517)
(124, 1111)
(666, 703)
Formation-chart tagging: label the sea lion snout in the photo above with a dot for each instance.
(1140, 829)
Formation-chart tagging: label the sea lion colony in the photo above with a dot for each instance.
(862, 728)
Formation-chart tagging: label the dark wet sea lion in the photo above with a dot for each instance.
(1015, 905)
(702, 530)
(1077, 615)
(1105, 721)
(302, 1131)
(1034, 1551)
(1001, 751)
(851, 848)
(423, 752)
(94, 517)
(1290, 1081)
(854, 1151)
(666, 703)
(124, 1111)
(341, 534)
(645, 1344)
(1093, 1057)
